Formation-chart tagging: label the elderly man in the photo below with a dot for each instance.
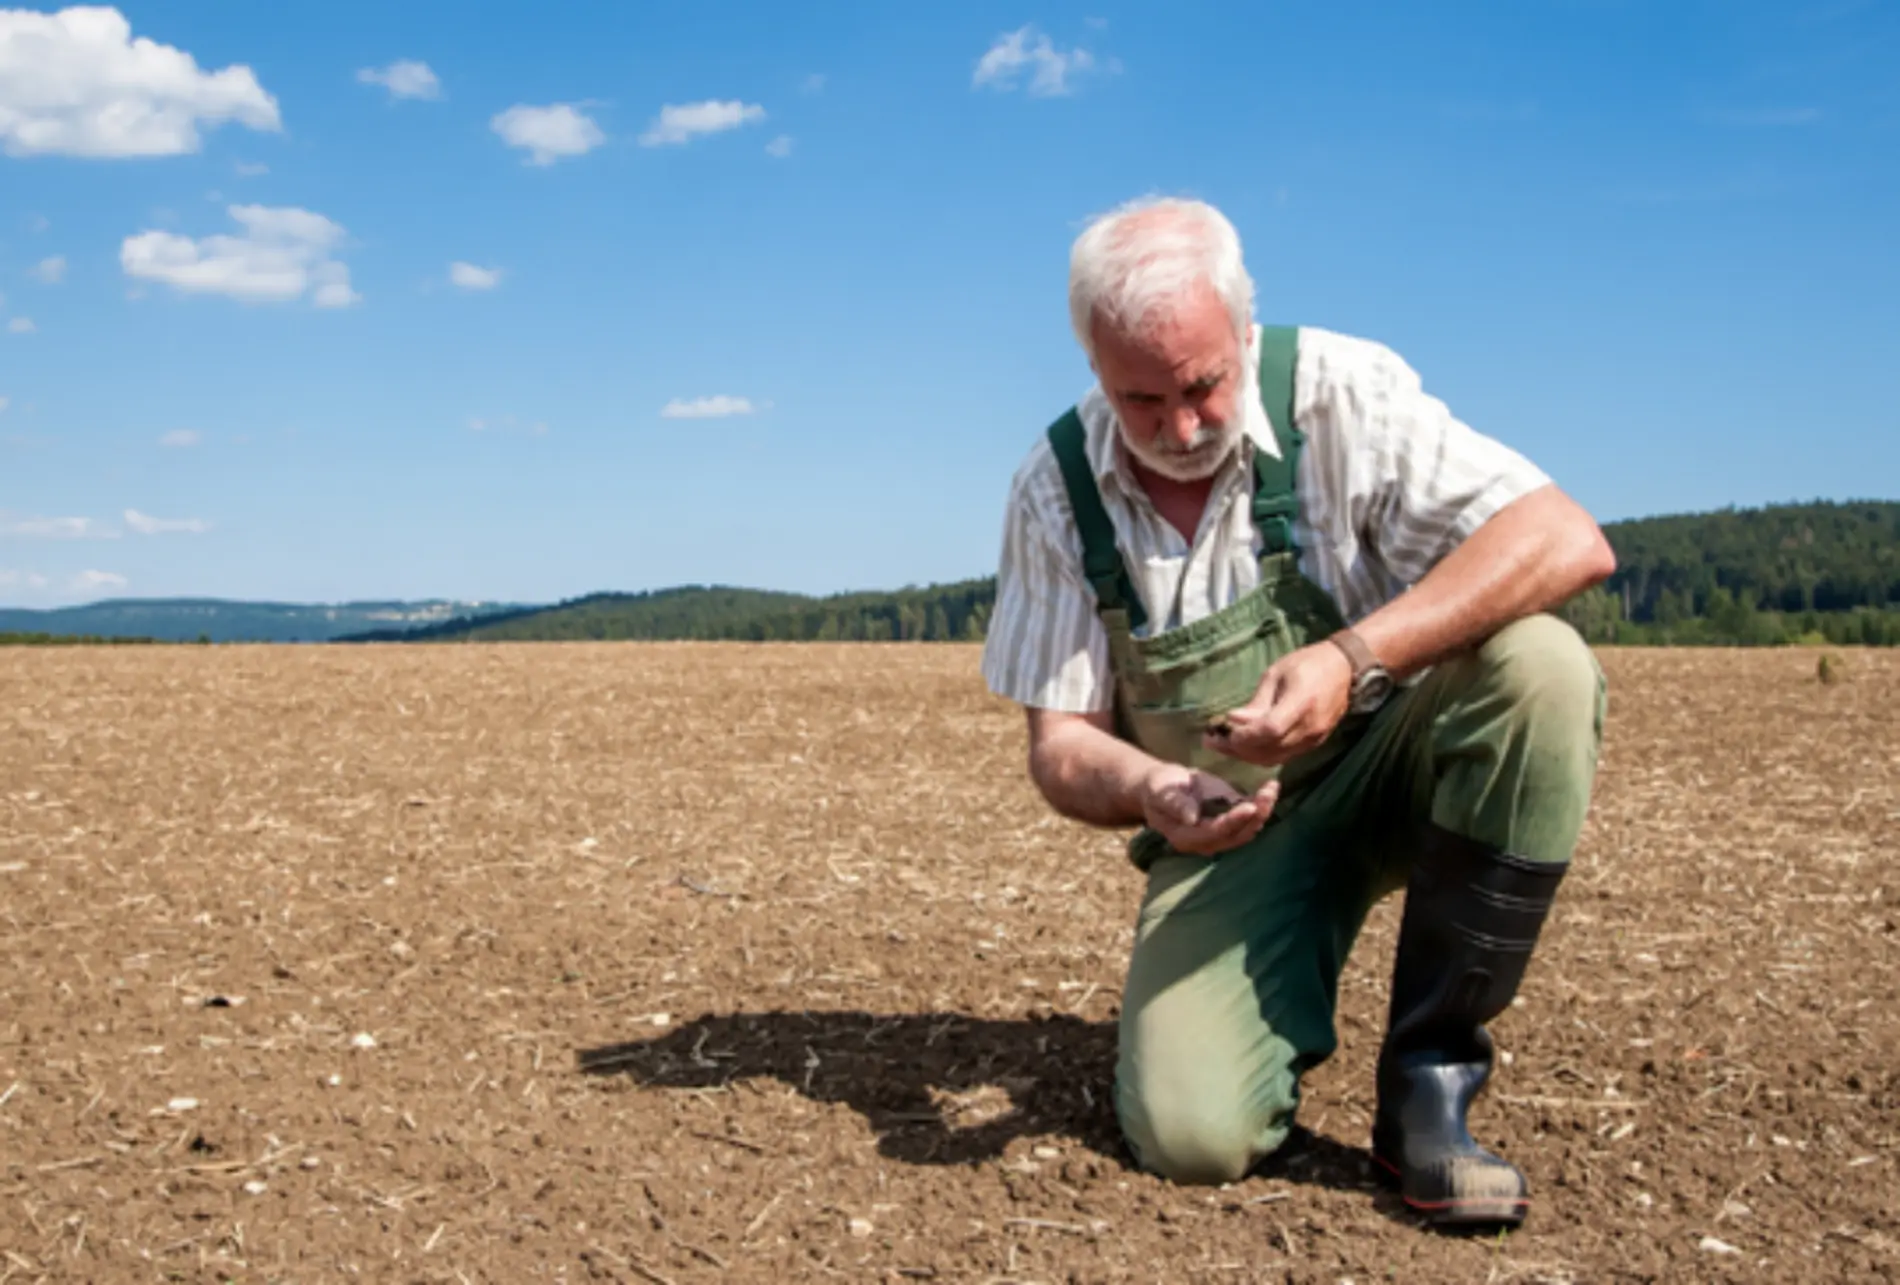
(1273, 607)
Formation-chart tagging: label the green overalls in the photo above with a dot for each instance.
(1230, 992)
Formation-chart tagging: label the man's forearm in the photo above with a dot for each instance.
(1534, 554)
(1089, 775)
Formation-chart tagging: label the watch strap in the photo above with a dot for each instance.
(1356, 651)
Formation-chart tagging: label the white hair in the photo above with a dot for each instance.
(1136, 261)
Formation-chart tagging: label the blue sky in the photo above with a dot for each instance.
(1650, 243)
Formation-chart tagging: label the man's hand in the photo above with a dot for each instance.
(1176, 803)
(1300, 701)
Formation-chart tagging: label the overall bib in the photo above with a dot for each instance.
(1231, 988)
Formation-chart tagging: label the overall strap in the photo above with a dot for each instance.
(1101, 561)
(1275, 503)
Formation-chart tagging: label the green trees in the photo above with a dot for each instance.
(1822, 572)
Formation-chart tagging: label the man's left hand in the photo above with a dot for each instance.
(1301, 699)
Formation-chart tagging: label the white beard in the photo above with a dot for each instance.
(1210, 448)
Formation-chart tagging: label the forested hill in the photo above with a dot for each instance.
(1810, 557)
(222, 620)
(1819, 570)
(937, 613)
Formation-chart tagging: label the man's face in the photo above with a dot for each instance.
(1176, 387)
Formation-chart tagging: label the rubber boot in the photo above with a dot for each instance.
(1472, 917)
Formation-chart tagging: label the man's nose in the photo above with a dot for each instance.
(1183, 423)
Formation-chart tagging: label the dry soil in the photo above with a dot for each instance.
(678, 963)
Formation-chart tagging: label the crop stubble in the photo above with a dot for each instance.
(682, 962)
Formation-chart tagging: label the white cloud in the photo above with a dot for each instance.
(25, 579)
(181, 437)
(780, 147)
(29, 527)
(404, 78)
(716, 407)
(547, 133)
(284, 253)
(21, 326)
(470, 277)
(76, 83)
(145, 524)
(250, 169)
(90, 581)
(1027, 48)
(684, 122)
(50, 270)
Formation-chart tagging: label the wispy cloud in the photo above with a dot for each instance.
(547, 133)
(181, 438)
(470, 277)
(250, 169)
(145, 524)
(21, 326)
(10, 579)
(76, 83)
(1052, 72)
(780, 147)
(404, 78)
(715, 407)
(51, 270)
(93, 581)
(683, 122)
(284, 253)
(812, 84)
(4, 403)
(29, 527)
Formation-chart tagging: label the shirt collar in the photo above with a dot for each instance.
(1108, 458)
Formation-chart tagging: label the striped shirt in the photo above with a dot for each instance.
(1389, 482)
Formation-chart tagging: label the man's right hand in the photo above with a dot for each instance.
(1174, 801)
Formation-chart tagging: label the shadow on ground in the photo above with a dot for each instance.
(938, 1088)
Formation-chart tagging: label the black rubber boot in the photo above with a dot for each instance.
(1472, 917)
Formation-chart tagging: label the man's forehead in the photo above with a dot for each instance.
(1140, 365)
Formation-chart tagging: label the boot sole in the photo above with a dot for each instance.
(1460, 1213)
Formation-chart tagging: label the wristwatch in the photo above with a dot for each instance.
(1371, 684)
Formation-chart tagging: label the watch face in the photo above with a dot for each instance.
(1371, 690)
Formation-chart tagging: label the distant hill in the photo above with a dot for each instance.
(222, 620)
(1821, 570)
(1807, 572)
(936, 613)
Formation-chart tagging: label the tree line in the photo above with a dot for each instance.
(1822, 572)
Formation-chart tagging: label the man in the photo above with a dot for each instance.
(1269, 603)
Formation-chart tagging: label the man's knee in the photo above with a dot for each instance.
(1540, 668)
(1197, 1142)
(1194, 1133)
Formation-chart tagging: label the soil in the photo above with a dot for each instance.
(674, 963)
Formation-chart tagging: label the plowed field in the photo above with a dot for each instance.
(679, 963)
